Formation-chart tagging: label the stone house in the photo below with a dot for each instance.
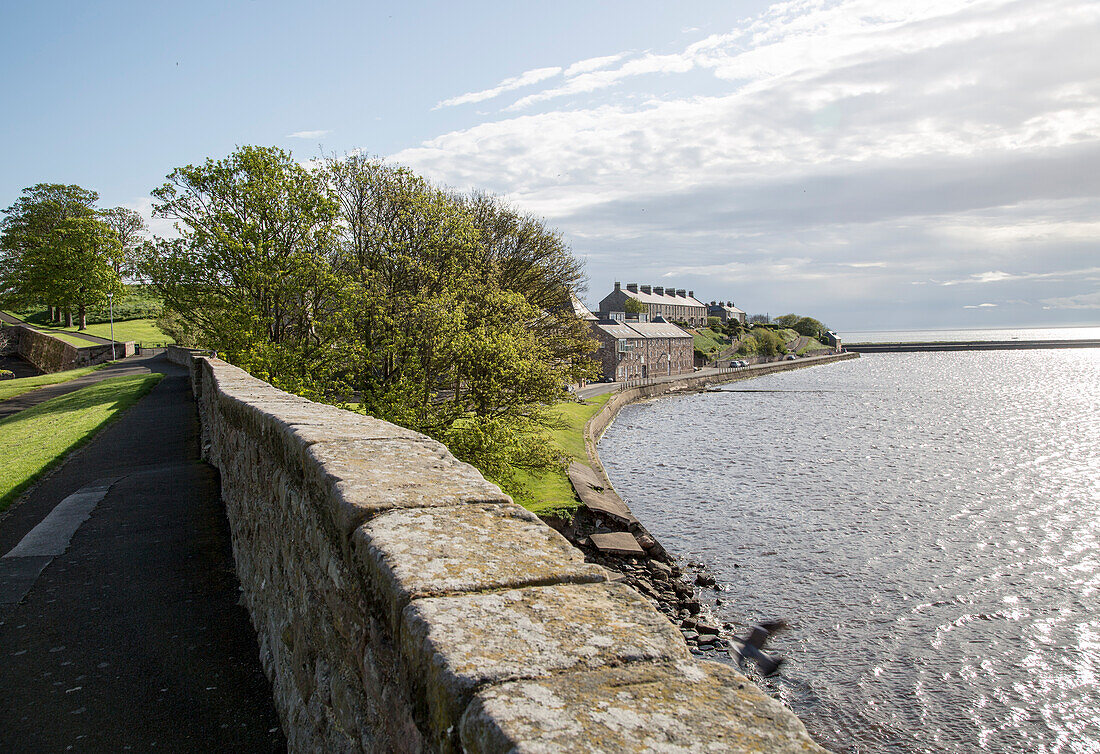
(673, 304)
(726, 312)
(636, 348)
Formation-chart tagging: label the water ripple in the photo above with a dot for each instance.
(929, 524)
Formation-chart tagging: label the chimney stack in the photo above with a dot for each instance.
(681, 293)
(658, 291)
(618, 285)
(632, 287)
(647, 289)
(691, 294)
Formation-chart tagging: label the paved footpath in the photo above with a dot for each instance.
(120, 628)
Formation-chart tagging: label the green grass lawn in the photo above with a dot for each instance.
(551, 493)
(35, 440)
(812, 345)
(143, 331)
(12, 388)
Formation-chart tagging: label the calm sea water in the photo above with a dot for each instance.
(928, 524)
(916, 336)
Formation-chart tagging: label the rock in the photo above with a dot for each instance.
(704, 579)
(706, 628)
(689, 635)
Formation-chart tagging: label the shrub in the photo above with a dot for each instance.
(6, 374)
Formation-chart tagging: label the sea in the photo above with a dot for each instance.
(927, 524)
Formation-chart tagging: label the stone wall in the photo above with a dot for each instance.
(403, 603)
(50, 354)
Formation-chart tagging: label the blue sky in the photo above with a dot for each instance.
(877, 164)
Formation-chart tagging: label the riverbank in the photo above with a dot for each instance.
(609, 534)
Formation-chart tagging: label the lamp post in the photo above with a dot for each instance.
(111, 306)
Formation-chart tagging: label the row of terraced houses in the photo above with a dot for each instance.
(638, 344)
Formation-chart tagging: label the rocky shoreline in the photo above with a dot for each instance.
(672, 585)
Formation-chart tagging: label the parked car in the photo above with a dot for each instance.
(790, 357)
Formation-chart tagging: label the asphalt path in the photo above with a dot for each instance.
(120, 627)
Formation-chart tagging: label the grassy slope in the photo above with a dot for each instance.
(551, 492)
(38, 438)
(709, 341)
(12, 388)
(141, 330)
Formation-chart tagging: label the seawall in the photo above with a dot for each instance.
(403, 603)
(50, 354)
(970, 345)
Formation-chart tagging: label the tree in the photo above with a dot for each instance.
(458, 315)
(807, 326)
(634, 306)
(129, 227)
(250, 274)
(77, 265)
(27, 228)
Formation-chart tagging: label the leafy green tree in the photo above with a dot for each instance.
(129, 227)
(77, 265)
(456, 314)
(634, 306)
(27, 229)
(807, 326)
(251, 274)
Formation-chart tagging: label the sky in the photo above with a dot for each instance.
(877, 164)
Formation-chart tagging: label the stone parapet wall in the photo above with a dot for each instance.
(403, 603)
(50, 354)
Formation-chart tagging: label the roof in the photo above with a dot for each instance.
(579, 309)
(658, 330)
(617, 329)
(653, 298)
(732, 309)
(641, 330)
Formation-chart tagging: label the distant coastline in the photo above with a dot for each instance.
(1029, 334)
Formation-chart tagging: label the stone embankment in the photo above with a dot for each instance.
(50, 354)
(403, 603)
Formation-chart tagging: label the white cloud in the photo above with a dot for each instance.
(309, 134)
(527, 78)
(1082, 301)
(981, 306)
(592, 64)
(949, 142)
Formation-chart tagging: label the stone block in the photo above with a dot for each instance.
(618, 543)
(358, 479)
(432, 552)
(455, 645)
(678, 707)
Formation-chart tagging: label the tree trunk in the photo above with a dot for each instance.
(83, 318)
(68, 318)
(51, 310)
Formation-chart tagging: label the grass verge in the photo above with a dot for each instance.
(37, 439)
(12, 388)
(550, 493)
